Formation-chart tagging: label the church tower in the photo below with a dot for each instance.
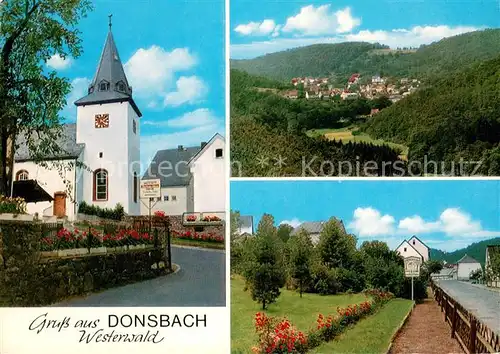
(108, 126)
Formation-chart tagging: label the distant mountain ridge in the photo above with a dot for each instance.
(342, 59)
(476, 250)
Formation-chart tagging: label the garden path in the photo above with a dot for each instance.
(426, 332)
(199, 282)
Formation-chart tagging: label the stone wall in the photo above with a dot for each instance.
(28, 279)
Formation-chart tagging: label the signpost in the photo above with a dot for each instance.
(150, 188)
(412, 269)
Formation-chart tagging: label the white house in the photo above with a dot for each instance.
(105, 139)
(465, 266)
(192, 179)
(413, 248)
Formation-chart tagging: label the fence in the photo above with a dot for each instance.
(473, 335)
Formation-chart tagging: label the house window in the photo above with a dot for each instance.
(134, 126)
(135, 187)
(165, 198)
(405, 249)
(174, 198)
(100, 155)
(100, 185)
(413, 241)
(218, 153)
(158, 199)
(22, 175)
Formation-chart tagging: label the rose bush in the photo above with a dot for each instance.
(278, 336)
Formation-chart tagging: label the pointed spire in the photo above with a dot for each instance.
(110, 82)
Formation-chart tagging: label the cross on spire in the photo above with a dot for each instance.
(110, 24)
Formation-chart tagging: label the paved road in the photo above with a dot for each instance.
(485, 304)
(200, 282)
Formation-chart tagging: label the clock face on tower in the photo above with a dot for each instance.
(102, 120)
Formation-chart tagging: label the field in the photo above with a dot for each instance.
(302, 312)
(346, 134)
(372, 334)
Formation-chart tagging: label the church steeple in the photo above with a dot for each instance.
(110, 83)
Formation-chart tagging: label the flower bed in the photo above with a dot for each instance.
(279, 336)
(211, 218)
(66, 239)
(208, 237)
(191, 218)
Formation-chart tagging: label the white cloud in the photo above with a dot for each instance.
(199, 117)
(79, 89)
(320, 20)
(369, 222)
(413, 37)
(189, 90)
(151, 71)
(263, 28)
(452, 222)
(293, 222)
(59, 63)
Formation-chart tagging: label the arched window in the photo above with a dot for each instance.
(22, 175)
(135, 187)
(100, 185)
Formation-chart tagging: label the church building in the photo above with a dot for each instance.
(100, 162)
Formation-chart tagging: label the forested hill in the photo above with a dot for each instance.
(457, 117)
(476, 250)
(343, 59)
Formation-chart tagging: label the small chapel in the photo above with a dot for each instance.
(100, 158)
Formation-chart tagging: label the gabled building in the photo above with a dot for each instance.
(414, 247)
(192, 178)
(314, 229)
(465, 266)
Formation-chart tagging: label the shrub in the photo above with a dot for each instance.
(114, 214)
(208, 237)
(12, 205)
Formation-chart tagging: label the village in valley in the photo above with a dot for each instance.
(356, 87)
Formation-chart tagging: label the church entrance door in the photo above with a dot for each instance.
(60, 204)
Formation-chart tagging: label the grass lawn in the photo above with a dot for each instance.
(345, 135)
(372, 334)
(302, 312)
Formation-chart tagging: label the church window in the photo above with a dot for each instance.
(104, 86)
(218, 153)
(22, 175)
(165, 198)
(100, 155)
(135, 187)
(174, 198)
(120, 86)
(134, 126)
(101, 185)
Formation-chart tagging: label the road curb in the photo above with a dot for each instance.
(401, 325)
(200, 248)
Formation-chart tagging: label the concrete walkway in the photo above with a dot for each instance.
(483, 303)
(201, 281)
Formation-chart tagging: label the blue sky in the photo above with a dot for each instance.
(174, 56)
(445, 214)
(260, 26)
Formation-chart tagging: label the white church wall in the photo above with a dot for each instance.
(209, 189)
(134, 159)
(112, 142)
(51, 181)
(420, 247)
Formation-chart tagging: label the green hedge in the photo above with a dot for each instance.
(106, 213)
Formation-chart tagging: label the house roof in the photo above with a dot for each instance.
(66, 142)
(315, 227)
(246, 221)
(409, 244)
(171, 166)
(110, 70)
(30, 191)
(467, 259)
